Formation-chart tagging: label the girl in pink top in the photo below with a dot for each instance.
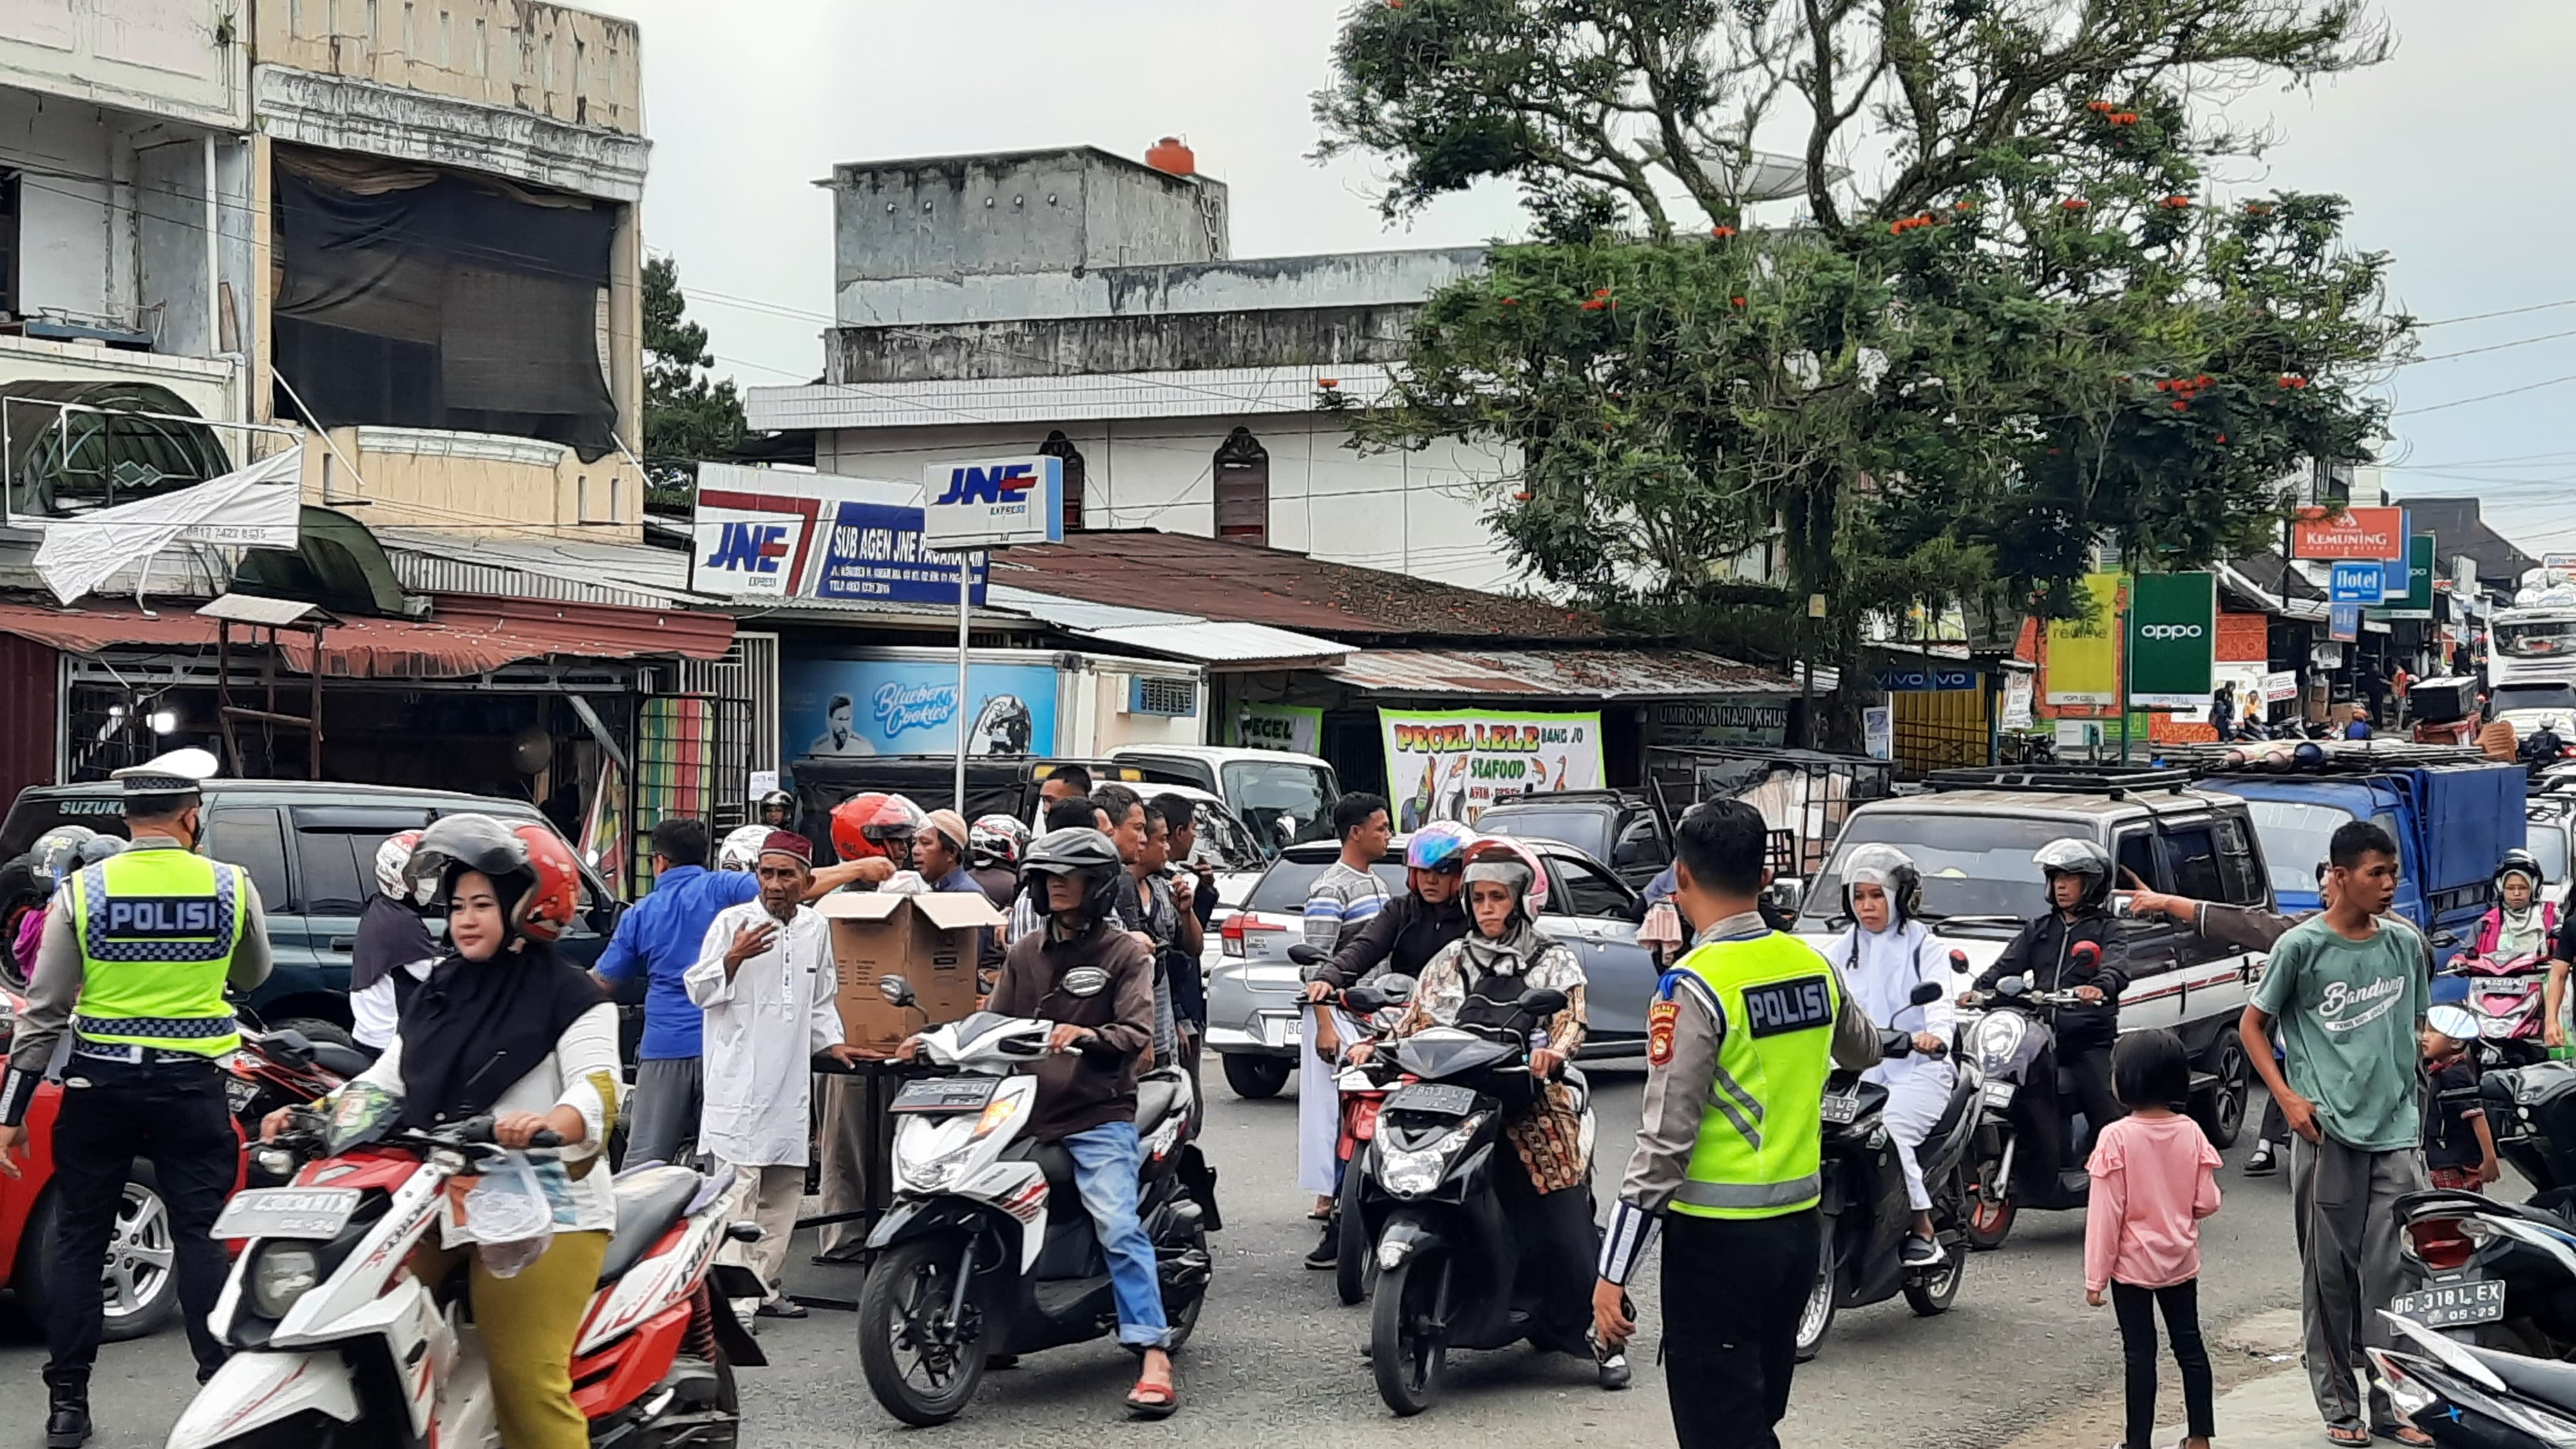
(2154, 1178)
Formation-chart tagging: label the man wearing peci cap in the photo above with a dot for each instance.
(136, 955)
(764, 979)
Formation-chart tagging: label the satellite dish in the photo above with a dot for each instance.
(1764, 175)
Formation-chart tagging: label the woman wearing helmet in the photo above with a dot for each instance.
(1478, 979)
(393, 951)
(2520, 924)
(1096, 982)
(54, 857)
(2074, 946)
(1884, 956)
(503, 1027)
(1402, 939)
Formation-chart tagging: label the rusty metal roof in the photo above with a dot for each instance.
(1247, 584)
(1559, 673)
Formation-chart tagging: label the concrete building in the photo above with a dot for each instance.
(1085, 305)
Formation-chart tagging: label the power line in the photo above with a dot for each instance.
(2493, 347)
(2461, 402)
(2505, 312)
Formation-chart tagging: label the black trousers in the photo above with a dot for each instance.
(1560, 1249)
(174, 1116)
(2046, 1147)
(1732, 1290)
(2136, 1308)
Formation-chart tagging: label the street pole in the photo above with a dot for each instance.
(965, 576)
(2121, 640)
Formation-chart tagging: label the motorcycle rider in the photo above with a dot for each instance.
(1479, 979)
(2520, 924)
(1884, 956)
(2078, 874)
(1096, 982)
(1401, 939)
(777, 810)
(393, 950)
(997, 841)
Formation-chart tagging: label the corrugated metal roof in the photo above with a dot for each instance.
(1558, 673)
(1204, 392)
(1080, 613)
(1211, 642)
(631, 575)
(464, 637)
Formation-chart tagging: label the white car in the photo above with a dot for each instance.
(1284, 797)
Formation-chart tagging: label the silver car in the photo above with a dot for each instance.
(1254, 1020)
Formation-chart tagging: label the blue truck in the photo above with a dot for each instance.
(2453, 814)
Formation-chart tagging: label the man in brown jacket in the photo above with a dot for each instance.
(1096, 982)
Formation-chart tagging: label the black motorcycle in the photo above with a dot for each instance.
(2500, 1274)
(2468, 1397)
(1866, 1214)
(2005, 1046)
(1450, 1260)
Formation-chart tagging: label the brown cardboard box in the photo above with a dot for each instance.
(928, 940)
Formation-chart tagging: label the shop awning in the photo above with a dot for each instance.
(465, 636)
(1608, 674)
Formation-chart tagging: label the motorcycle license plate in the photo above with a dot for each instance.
(1841, 1108)
(287, 1212)
(945, 1094)
(239, 1093)
(1440, 1099)
(1999, 1095)
(2451, 1305)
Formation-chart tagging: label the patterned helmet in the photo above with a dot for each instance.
(56, 855)
(1439, 845)
(998, 840)
(530, 867)
(391, 857)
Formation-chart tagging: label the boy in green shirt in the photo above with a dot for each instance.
(2348, 988)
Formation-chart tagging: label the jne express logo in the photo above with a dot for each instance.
(749, 548)
(1005, 484)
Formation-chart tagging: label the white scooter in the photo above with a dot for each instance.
(988, 1249)
(336, 1345)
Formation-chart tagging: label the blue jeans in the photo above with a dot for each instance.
(1104, 1173)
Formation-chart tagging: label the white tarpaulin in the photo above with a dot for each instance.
(253, 507)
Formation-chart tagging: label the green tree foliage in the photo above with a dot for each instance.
(688, 416)
(2025, 326)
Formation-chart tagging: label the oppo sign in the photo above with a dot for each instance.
(2171, 631)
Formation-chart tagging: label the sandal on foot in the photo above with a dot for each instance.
(2350, 1435)
(1153, 1401)
(2403, 1434)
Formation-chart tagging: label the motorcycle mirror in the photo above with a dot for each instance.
(2086, 952)
(896, 990)
(1305, 955)
(291, 1046)
(1362, 1000)
(1925, 993)
(1895, 1044)
(1959, 961)
(1545, 1001)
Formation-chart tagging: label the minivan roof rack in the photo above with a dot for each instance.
(2116, 781)
(2316, 757)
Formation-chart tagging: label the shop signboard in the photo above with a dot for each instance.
(2343, 623)
(2018, 714)
(1291, 727)
(909, 706)
(1926, 678)
(767, 533)
(979, 503)
(2083, 663)
(879, 552)
(2357, 583)
(2416, 600)
(1758, 720)
(2173, 639)
(2280, 685)
(1454, 763)
(2353, 533)
(745, 553)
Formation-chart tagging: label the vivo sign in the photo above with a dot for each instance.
(993, 503)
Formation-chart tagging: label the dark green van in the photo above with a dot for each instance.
(310, 847)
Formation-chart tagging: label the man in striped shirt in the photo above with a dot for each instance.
(1346, 897)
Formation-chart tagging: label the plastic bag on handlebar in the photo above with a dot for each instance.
(508, 1215)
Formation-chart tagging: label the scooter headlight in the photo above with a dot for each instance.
(1413, 1171)
(1999, 1036)
(283, 1273)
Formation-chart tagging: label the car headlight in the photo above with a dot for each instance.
(284, 1273)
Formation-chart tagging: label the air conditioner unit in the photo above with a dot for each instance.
(1162, 695)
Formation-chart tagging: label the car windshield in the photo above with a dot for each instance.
(1282, 889)
(1586, 830)
(2548, 841)
(2547, 638)
(1272, 794)
(1972, 865)
(2558, 697)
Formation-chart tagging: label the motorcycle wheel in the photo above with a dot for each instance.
(1928, 1295)
(1817, 1318)
(1358, 1256)
(2220, 1111)
(1181, 1318)
(1990, 1212)
(922, 1370)
(1406, 1354)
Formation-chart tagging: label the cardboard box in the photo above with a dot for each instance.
(929, 940)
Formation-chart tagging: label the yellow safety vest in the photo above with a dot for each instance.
(157, 929)
(1761, 1132)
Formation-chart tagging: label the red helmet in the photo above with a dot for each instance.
(866, 825)
(530, 867)
(1502, 850)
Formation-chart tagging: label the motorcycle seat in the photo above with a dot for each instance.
(1157, 1093)
(341, 1061)
(1962, 1094)
(649, 1201)
(2546, 1380)
(1055, 1164)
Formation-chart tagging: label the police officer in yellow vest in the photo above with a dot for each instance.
(1740, 1037)
(136, 954)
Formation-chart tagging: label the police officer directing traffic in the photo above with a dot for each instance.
(136, 954)
(1740, 1037)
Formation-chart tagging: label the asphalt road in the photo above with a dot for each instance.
(1276, 1350)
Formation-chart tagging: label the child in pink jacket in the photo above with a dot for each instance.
(2154, 1178)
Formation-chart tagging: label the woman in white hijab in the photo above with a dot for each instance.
(1885, 953)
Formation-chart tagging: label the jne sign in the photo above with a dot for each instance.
(994, 503)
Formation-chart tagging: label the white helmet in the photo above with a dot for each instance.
(391, 857)
(741, 848)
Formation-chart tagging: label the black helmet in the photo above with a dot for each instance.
(532, 871)
(57, 853)
(1075, 850)
(2075, 856)
(1892, 871)
(2522, 862)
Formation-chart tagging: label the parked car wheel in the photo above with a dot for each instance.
(1256, 1077)
(140, 1278)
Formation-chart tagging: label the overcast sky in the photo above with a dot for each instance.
(2452, 153)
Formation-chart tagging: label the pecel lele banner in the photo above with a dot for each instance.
(1451, 764)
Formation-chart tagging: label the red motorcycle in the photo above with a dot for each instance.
(2506, 997)
(276, 1069)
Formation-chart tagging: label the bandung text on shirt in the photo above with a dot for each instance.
(2374, 1001)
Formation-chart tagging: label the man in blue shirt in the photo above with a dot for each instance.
(659, 939)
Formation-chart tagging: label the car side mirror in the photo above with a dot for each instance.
(1544, 1001)
(896, 990)
(1925, 993)
(603, 917)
